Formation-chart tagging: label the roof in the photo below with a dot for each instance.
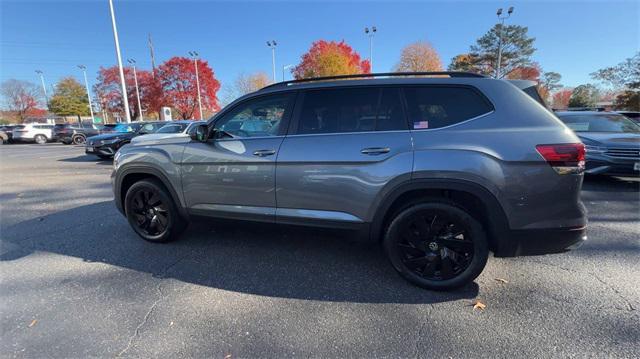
(576, 113)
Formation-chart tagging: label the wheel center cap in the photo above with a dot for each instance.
(433, 246)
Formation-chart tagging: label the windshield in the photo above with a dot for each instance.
(600, 123)
(173, 128)
(124, 128)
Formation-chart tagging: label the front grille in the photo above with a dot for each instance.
(623, 152)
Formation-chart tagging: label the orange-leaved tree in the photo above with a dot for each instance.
(329, 58)
(419, 56)
(561, 98)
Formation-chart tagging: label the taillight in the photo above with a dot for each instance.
(564, 158)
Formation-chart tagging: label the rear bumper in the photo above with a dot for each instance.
(530, 242)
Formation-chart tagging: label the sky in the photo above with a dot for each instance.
(573, 38)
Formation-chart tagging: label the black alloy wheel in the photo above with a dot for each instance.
(151, 211)
(436, 245)
(78, 140)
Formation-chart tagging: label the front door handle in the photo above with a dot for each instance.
(375, 150)
(264, 153)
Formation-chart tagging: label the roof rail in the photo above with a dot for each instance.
(382, 74)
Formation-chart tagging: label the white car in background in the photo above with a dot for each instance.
(175, 129)
(39, 133)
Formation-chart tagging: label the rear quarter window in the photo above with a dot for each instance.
(440, 106)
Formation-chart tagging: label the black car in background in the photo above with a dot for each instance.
(612, 141)
(68, 133)
(106, 145)
(7, 131)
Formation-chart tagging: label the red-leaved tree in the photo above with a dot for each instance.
(329, 58)
(178, 78)
(561, 98)
(107, 89)
(526, 73)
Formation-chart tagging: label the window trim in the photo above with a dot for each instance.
(472, 88)
(288, 112)
(295, 121)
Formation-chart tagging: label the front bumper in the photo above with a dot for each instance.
(102, 150)
(600, 164)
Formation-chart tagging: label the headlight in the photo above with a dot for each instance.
(594, 149)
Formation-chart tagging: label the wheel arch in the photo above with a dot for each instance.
(473, 197)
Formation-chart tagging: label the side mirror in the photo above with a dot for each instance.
(200, 133)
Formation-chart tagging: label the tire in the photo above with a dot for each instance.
(148, 202)
(78, 139)
(40, 139)
(436, 245)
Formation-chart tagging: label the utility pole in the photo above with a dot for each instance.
(370, 33)
(153, 57)
(195, 62)
(44, 88)
(272, 44)
(135, 79)
(285, 67)
(501, 18)
(123, 86)
(86, 84)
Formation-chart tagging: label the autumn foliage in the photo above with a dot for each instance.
(329, 58)
(561, 98)
(107, 89)
(419, 56)
(178, 79)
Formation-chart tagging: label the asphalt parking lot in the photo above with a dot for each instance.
(75, 281)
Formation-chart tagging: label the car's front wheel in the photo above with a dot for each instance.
(78, 139)
(436, 245)
(40, 139)
(152, 213)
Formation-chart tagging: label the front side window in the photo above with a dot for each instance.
(440, 106)
(255, 118)
(351, 110)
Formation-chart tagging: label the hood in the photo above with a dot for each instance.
(610, 139)
(112, 135)
(160, 138)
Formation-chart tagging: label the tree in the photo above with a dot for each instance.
(419, 56)
(329, 58)
(531, 72)
(244, 84)
(108, 93)
(517, 48)
(468, 63)
(561, 98)
(20, 97)
(178, 79)
(626, 77)
(584, 96)
(69, 98)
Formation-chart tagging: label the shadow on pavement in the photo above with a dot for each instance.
(267, 260)
(88, 158)
(610, 184)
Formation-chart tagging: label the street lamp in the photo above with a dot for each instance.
(501, 18)
(123, 86)
(285, 67)
(44, 88)
(135, 79)
(272, 44)
(86, 84)
(195, 61)
(370, 32)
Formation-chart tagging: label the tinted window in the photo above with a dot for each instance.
(533, 92)
(173, 128)
(351, 110)
(439, 106)
(600, 123)
(255, 118)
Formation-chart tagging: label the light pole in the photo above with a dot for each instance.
(370, 32)
(501, 18)
(272, 44)
(285, 67)
(44, 88)
(135, 79)
(123, 86)
(86, 84)
(195, 62)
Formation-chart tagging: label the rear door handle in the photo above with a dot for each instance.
(264, 153)
(375, 150)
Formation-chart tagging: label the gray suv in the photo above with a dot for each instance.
(440, 169)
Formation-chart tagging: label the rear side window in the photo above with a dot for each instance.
(533, 92)
(351, 110)
(440, 106)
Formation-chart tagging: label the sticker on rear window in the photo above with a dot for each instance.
(420, 125)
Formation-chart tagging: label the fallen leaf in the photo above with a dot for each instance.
(228, 356)
(479, 305)
(33, 322)
(502, 280)
(170, 324)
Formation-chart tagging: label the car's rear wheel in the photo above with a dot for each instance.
(152, 213)
(436, 245)
(40, 139)
(78, 140)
